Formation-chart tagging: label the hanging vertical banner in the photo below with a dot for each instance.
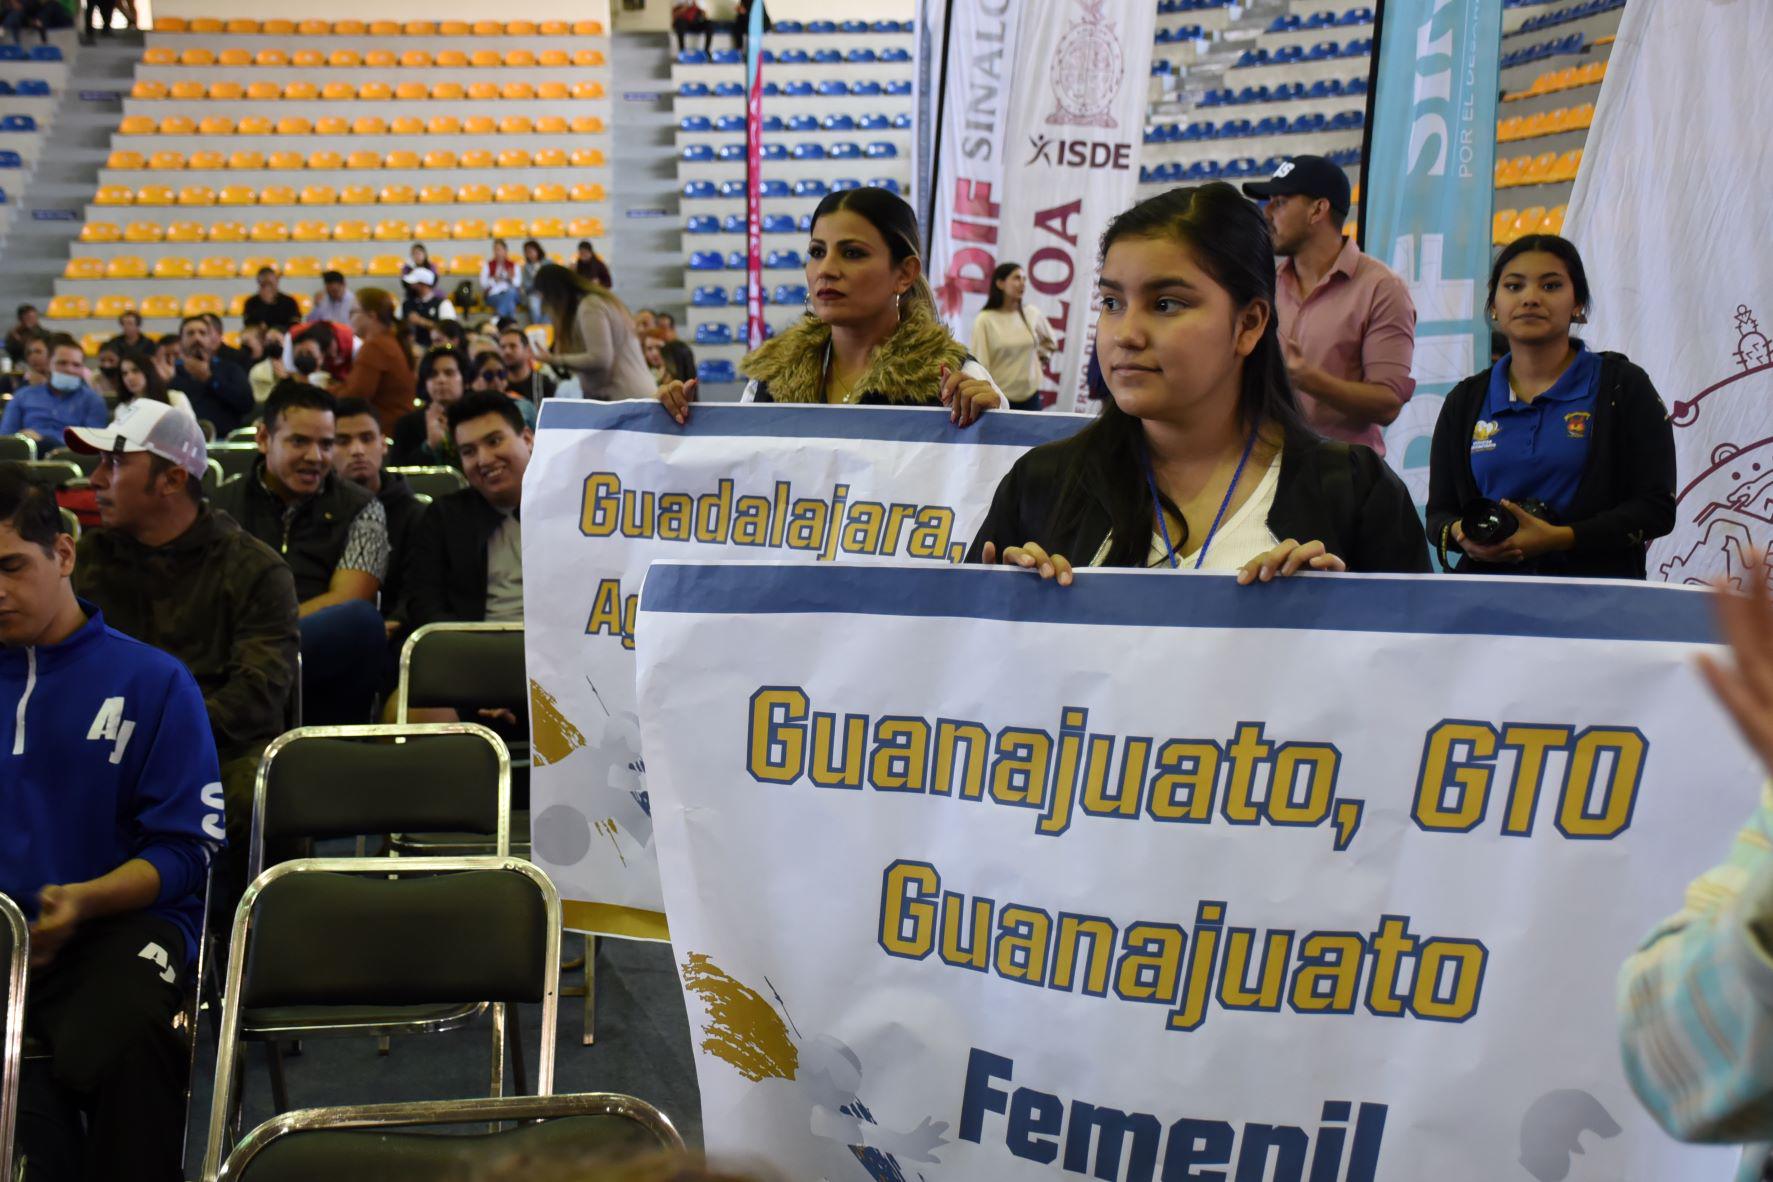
(1039, 148)
(1429, 180)
(754, 323)
(1674, 226)
(926, 104)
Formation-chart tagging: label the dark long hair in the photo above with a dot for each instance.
(153, 388)
(679, 359)
(1560, 248)
(1229, 239)
(897, 223)
(995, 299)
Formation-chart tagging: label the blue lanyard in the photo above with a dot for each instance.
(1157, 505)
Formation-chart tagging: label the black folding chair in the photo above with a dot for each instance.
(51, 474)
(85, 461)
(17, 447)
(433, 480)
(367, 1143)
(235, 458)
(355, 936)
(15, 957)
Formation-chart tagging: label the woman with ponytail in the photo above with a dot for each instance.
(381, 372)
(1200, 459)
(871, 335)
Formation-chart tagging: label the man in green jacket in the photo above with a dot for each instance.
(172, 571)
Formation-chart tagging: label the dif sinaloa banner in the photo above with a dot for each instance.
(1043, 115)
(613, 486)
(972, 877)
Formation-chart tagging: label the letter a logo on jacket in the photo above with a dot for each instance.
(110, 725)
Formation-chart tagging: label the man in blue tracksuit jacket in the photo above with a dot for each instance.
(110, 811)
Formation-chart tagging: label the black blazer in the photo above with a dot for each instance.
(445, 571)
(1339, 494)
(1626, 495)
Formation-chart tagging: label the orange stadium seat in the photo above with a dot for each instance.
(550, 193)
(437, 195)
(348, 265)
(160, 307)
(587, 28)
(174, 267)
(285, 160)
(440, 158)
(1509, 171)
(554, 29)
(376, 92)
(474, 193)
(553, 91)
(549, 158)
(587, 90)
(255, 125)
(476, 158)
(136, 125)
(487, 28)
(234, 57)
(349, 28)
(362, 161)
(415, 59)
(320, 195)
(108, 307)
(277, 27)
(155, 195)
(338, 92)
(203, 305)
(584, 158)
(392, 230)
(586, 125)
(277, 195)
(242, 26)
(226, 92)
(520, 28)
(384, 266)
(126, 160)
(252, 264)
(554, 58)
(88, 268)
(412, 92)
(398, 195)
(514, 158)
(480, 125)
(207, 161)
(65, 307)
(310, 232)
(1540, 169)
(148, 90)
(401, 158)
(114, 195)
(379, 59)
(216, 125)
(344, 59)
(469, 228)
(1508, 130)
(294, 125)
(138, 232)
(269, 231)
(451, 59)
(274, 58)
(447, 92)
(588, 193)
(1553, 222)
(325, 161)
(511, 193)
(196, 232)
(444, 125)
(509, 228)
(420, 28)
(169, 24)
(332, 125)
(301, 92)
(237, 307)
(483, 92)
(585, 228)
(453, 28)
(1566, 166)
(466, 264)
(430, 228)
(157, 56)
(263, 92)
(516, 125)
(1526, 222)
(314, 28)
(384, 28)
(101, 232)
(357, 195)
(302, 267)
(517, 91)
(588, 57)
(187, 91)
(350, 230)
(369, 125)
(237, 195)
(215, 267)
(520, 58)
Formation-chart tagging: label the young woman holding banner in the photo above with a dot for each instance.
(1200, 459)
(1555, 460)
(871, 336)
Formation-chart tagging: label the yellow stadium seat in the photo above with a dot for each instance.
(585, 228)
(206, 24)
(174, 267)
(415, 59)
(486, 28)
(510, 228)
(452, 28)
(552, 158)
(1566, 166)
(238, 195)
(66, 307)
(301, 92)
(587, 90)
(294, 125)
(357, 195)
(475, 193)
(255, 125)
(554, 58)
(587, 28)
(242, 26)
(401, 158)
(332, 125)
(215, 267)
(148, 90)
(392, 230)
(170, 24)
(114, 195)
(187, 91)
(237, 307)
(551, 193)
(553, 91)
(136, 125)
(520, 58)
(517, 91)
(465, 264)
(338, 92)
(207, 161)
(1554, 220)
(87, 268)
(270, 231)
(196, 232)
(480, 125)
(379, 59)
(252, 264)
(383, 266)
(215, 125)
(361, 161)
(314, 28)
(384, 28)
(437, 195)
(1509, 171)
(234, 57)
(514, 158)
(348, 265)
(310, 232)
(547, 124)
(420, 28)
(126, 160)
(408, 92)
(349, 28)
(369, 125)
(160, 307)
(375, 92)
(1526, 222)
(109, 307)
(203, 305)
(277, 195)
(587, 125)
(167, 161)
(274, 58)
(476, 158)
(554, 28)
(451, 59)
(588, 193)
(160, 57)
(350, 231)
(139, 232)
(194, 195)
(398, 195)
(483, 92)
(430, 228)
(447, 92)
(471, 229)
(302, 267)
(278, 27)
(520, 29)
(320, 195)
(101, 232)
(440, 158)
(325, 160)
(444, 125)
(226, 92)
(344, 59)
(1509, 130)
(263, 92)
(588, 57)
(1539, 170)
(284, 160)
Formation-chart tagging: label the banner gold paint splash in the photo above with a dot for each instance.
(743, 1029)
(553, 737)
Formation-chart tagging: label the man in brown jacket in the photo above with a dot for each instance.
(171, 571)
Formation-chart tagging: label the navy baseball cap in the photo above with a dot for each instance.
(1308, 176)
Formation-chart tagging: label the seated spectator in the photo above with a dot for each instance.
(301, 355)
(425, 306)
(522, 378)
(29, 328)
(108, 821)
(646, 324)
(360, 456)
(679, 361)
(333, 535)
(218, 344)
(105, 372)
(336, 345)
(534, 259)
(490, 376)
(166, 357)
(217, 386)
(467, 552)
(421, 437)
(42, 412)
(139, 379)
(691, 18)
(381, 370)
(417, 257)
(131, 339)
(169, 570)
(589, 265)
(335, 303)
(269, 306)
(498, 280)
(665, 326)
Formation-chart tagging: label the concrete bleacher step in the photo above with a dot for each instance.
(642, 216)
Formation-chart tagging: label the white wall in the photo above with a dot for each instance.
(398, 10)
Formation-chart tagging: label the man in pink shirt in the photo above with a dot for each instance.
(1346, 321)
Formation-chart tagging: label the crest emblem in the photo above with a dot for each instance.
(1087, 71)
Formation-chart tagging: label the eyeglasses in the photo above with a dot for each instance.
(490, 374)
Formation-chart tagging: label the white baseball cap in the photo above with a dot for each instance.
(422, 275)
(150, 426)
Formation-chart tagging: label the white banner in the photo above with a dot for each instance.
(613, 486)
(1042, 122)
(973, 877)
(1677, 257)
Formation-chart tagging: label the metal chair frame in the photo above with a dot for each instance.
(424, 471)
(224, 1103)
(25, 442)
(438, 1112)
(12, 1031)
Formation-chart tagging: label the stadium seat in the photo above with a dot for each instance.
(203, 305)
(1554, 220)
(513, 125)
(587, 90)
(90, 268)
(109, 307)
(407, 125)
(319, 195)
(310, 232)
(277, 27)
(136, 125)
(348, 265)
(234, 58)
(549, 227)
(188, 91)
(216, 267)
(448, 92)
(585, 228)
(160, 307)
(196, 232)
(132, 161)
(263, 92)
(65, 307)
(349, 28)
(437, 195)
(332, 125)
(520, 58)
(439, 158)
(464, 265)
(156, 56)
(451, 59)
(101, 232)
(397, 195)
(148, 90)
(173, 267)
(350, 230)
(303, 267)
(325, 160)
(269, 231)
(235, 195)
(475, 193)
(587, 193)
(277, 195)
(384, 266)
(517, 91)
(1564, 169)
(553, 158)
(401, 158)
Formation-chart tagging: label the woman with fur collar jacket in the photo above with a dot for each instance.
(871, 337)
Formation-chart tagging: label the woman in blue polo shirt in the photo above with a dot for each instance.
(1571, 448)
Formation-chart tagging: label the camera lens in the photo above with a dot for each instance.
(1487, 522)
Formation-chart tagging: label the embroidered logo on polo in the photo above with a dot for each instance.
(109, 725)
(1576, 424)
(1483, 436)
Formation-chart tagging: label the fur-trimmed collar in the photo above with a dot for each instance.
(906, 368)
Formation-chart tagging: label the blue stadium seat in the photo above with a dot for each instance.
(854, 26)
(692, 90)
(714, 334)
(732, 188)
(895, 55)
(789, 294)
(708, 297)
(884, 27)
(779, 260)
(842, 185)
(697, 153)
(832, 87)
(6, 89)
(11, 53)
(860, 55)
(17, 123)
(805, 223)
(733, 223)
(770, 123)
(885, 182)
(792, 57)
(827, 57)
(821, 27)
(714, 373)
(693, 190)
(773, 188)
(902, 119)
(724, 123)
(844, 122)
(801, 88)
(737, 260)
(778, 223)
(731, 151)
(702, 223)
(11, 159)
(727, 57)
(788, 27)
(767, 56)
(898, 86)
(771, 90)
(46, 53)
(729, 89)
(803, 123)
(705, 260)
(880, 150)
(809, 151)
(845, 151)
(691, 57)
(774, 151)
(868, 87)
(810, 187)
(695, 123)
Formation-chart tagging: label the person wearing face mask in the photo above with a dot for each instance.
(301, 360)
(871, 335)
(1011, 339)
(106, 373)
(421, 437)
(1562, 457)
(43, 412)
(139, 378)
